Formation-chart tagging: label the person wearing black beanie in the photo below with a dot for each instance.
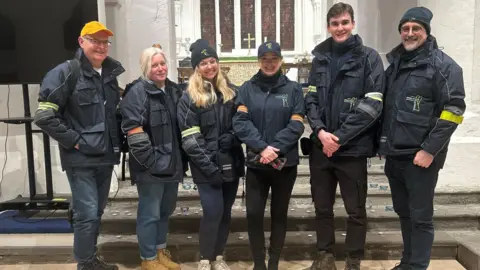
(420, 15)
(424, 104)
(269, 120)
(200, 50)
(215, 155)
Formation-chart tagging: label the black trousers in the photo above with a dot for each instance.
(351, 174)
(258, 185)
(413, 189)
(217, 213)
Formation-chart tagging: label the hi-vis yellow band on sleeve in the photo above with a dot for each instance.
(449, 116)
(297, 117)
(375, 95)
(190, 131)
(312, 89)
(47, 105)
(242, 108)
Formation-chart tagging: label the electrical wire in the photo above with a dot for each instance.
(36, 221)
(6, 140)
(118, 189)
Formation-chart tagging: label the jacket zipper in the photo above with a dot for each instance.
(264, 115)
(174, 143)
(217, 125)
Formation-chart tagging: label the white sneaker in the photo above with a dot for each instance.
(220, 264)
(204, 265)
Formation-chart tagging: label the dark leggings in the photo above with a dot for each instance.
(217, 210)
(258, 186)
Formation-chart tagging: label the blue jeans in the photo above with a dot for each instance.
(90, 188)
(413, 189)
(156, 203)
(217, 211)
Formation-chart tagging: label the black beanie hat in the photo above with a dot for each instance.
(201, 50)
(420, 15)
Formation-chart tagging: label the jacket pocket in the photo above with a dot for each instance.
(162, 141)
(92, 142)
(421, 80)
(160, 126)
(410, 130)
(163, 165)
(89, 111)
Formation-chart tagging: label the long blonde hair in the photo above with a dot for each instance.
(202, 91)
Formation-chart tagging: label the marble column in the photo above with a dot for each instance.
(319, 23)
(190, 23)
(147, 22)
(475, 93)
(454, 28)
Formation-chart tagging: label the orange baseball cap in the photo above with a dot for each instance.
(94, 27)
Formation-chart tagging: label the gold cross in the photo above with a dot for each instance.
(249, 39)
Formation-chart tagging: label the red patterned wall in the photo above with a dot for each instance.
(227, 25)
(247, 14)
(287, 24)
(207, 18)
(269, 20)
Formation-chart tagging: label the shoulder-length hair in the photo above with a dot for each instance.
(146, 60)
(202, 91)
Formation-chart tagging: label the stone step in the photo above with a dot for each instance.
(123, 249)
(378, 192)
(449, 264)
(302, 170)
(120, 217)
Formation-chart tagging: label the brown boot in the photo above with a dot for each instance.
(164, 258)
(152, 265)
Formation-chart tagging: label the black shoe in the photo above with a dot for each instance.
(88, 266)
(100, 264)
(352, 264)
(272, 264)
(324, 261)
(259, 265)
(401, 266)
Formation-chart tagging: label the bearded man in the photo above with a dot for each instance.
(423, 105)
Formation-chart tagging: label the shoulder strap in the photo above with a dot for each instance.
(74, 66)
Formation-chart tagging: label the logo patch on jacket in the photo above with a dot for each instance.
(284, 99)
(351, 100)
(416, 102)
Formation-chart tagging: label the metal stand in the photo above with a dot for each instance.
(35, 201)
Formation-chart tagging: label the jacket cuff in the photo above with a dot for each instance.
(317, 129)
(261, 146)
(427, 148)
(342, 138)
(75, 141)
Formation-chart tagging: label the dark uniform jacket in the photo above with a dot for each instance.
(82, 112)
(201, 129)
(155, 154)
(424, 101)
(350, 104)
(270, 116)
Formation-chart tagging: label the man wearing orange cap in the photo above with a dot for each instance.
(77, 107)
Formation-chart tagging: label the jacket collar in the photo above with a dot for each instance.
(282, 80)
(111, 68)
(421, 58)
(152, 89)
(323, 52)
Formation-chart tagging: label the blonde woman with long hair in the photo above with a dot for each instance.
(156, 162)
(216, 158)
